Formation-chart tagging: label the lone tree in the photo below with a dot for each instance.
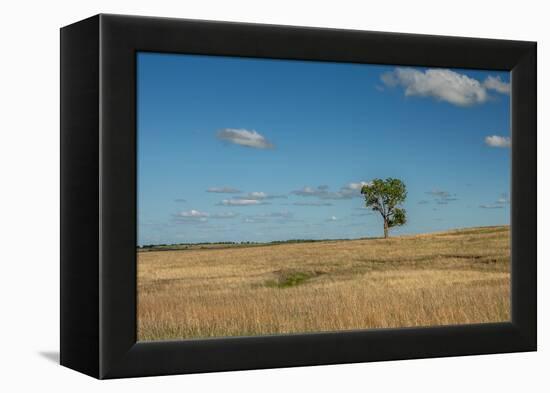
(385, 196)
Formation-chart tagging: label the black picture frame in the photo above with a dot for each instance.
(98, 196)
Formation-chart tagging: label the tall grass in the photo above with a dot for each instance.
(456, 277)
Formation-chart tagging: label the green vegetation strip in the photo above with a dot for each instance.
(289, 279)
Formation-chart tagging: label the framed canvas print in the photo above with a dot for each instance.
(239, 196)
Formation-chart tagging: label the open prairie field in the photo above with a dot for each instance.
(446, 278)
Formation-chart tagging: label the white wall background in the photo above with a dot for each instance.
(29, 208)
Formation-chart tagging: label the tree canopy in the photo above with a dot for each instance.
(385, 196)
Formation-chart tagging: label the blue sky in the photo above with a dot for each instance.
(238, 149)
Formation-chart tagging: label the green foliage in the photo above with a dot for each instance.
(398, 218)
(385, 196)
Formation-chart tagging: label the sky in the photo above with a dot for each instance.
(245, 149)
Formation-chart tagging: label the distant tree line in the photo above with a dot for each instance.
(145, 246)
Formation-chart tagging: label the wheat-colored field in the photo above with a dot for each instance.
(455, 277)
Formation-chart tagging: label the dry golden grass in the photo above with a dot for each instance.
(456, 277)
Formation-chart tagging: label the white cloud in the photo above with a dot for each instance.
(494, 206)
(320, 192)
(442, 197)
(332, 218)
(241, 202)
(223, 190)
(223, 215)
(193, 213)
(244, 137)
(256, 195)
(318, 204)
(280, 217)
(498, 204)
(252, 220)
(260, 195)
(282, 214)
(498, 141)
(503, 199)
(357, 186)
(276, 196)
(309, 191)
(441, 84)
(199, 217)
(496, 84)
(192, 216)
(439, 193)
(348, 191)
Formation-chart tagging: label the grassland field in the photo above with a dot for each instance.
(446, 278)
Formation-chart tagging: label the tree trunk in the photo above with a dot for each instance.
(386, 229)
